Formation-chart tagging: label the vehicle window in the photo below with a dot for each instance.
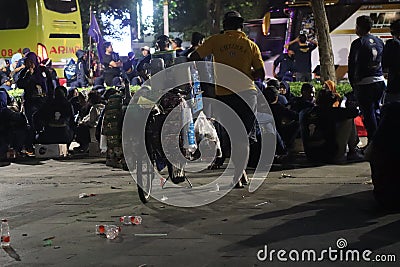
(61, 6)
(14, 15)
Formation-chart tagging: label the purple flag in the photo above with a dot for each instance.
(95, 33)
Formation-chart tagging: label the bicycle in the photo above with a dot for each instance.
(152, 155)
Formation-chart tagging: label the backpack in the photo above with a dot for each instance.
(70, 71)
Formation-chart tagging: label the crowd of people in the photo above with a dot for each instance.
(51, 113)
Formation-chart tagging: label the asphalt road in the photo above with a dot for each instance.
(310, 210)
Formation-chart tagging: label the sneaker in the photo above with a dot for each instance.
(244, 180)
(355, 156)
(82, 149)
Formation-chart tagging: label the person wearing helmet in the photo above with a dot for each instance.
(233, 48)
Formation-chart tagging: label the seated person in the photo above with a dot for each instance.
(13, 128)
(164, 52)
(85, 132)
(284, 90)
(326, 131)
(177, 46)
(129, 67)
(306, 100)
(383, 156)
(141, 67)
(275, 83)
(112, 67)
(265, 128)
(11, 101)
(330, 85)
(54, 120)
(286, 120)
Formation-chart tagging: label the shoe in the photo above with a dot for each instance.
(244, 180)
(217, 164)
(82, 149)
(355, 156)
(178, 179)
(281, 159)
(239, 185)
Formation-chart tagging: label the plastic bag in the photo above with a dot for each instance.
(103, 143)
(204, 129)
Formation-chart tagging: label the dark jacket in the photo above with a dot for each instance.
(82, 71)
(390, 62)
(282, 115)
(285, 63)
(55, 118)
(36, 84)
(298, 103)
(384, 159)
(319, 130)
(365, 58)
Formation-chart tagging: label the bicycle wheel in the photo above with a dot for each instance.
(145, 175)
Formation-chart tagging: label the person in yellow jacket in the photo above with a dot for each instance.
(233, 48)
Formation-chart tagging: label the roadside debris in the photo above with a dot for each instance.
(150, 235)
(263, 203)
(114, 187)
(286, 175)
(85, 195)
(131, 220)
(48, 241)
(110, 231)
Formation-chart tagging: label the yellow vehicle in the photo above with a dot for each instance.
(51, 28)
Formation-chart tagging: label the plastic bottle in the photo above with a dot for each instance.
(112, 231)
(5, 233)
(128, 220)
(196, 82)
(100, 229)
(189, 140)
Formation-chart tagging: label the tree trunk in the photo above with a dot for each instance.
(324, 41)
(214, 15)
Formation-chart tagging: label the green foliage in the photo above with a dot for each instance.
(16, 93)
(341, 88)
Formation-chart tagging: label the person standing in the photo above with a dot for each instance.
(302, 49)
(390, 63)
(82, 70)
(365, 73)
(20, 64)
(235, 49)
(285, 62)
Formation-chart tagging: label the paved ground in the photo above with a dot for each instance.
(311, 210)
